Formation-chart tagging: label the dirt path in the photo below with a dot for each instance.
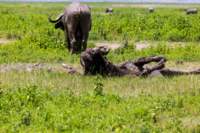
(4, 41)
(29, 67)
(141, 45)
(111, 45)
(62, 67)
(164, 5)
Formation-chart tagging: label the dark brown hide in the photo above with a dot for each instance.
(94, 62)
(109, 10)
(191, 11)
(151, 9)
(59, 25)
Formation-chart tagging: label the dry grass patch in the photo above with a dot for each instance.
(4, 41)
(29, 67)
(111, 45)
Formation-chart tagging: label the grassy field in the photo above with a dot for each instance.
(37, 40)
(54, 101)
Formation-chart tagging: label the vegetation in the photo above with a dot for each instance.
(54, 102)
(47, 101)
(38, 41)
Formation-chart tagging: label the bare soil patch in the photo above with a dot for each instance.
(176, 44)
(139, 5)
(147, 44)
(181, 65)
(29, 67)
(75, 68)
(112, 46)
(141, 45)
(191, 122)
(4, 41)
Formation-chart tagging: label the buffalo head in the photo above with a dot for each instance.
(58, 22)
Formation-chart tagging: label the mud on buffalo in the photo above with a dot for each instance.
(94, 61)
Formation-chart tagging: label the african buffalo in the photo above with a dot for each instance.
(76, 24)
(94, 62)
(109, 10)
(191, 11)
(151, 9)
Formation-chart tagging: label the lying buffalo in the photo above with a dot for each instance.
(151, 9)
(94, 62)
(76, 23)
(191, 11)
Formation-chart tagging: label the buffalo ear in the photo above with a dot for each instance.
(59, 25)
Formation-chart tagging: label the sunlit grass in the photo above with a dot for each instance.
(54, 101)
(49, 101)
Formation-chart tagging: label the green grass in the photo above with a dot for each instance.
(56, 102)
(43, 101)
(38, 41)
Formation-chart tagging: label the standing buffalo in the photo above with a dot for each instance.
(76, 23)
(191, 11)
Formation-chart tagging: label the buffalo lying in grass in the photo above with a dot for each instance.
(191, 11)
(76, 23)
(151, 9)
(94, 61)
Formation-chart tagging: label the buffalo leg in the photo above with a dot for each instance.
(85, 28)
(73, 42)
(72, 27)
(84, 40)
(146, 60)
(169, 72)
(79, 39)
